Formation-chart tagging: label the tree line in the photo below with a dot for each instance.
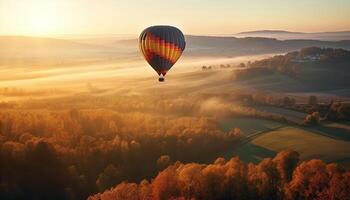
(71, 154)
(281, 177)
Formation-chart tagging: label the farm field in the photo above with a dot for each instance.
(248, 125)
(291, 115)
(309, 143)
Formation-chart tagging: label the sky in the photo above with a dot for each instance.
(200, 17)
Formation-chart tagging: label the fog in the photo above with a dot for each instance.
(108, 74)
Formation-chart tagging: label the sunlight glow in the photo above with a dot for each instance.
(50, 17)
(41, 22)
(31, 17)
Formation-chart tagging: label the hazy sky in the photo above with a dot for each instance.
(43, 17)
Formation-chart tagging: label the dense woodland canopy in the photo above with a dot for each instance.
(48, 152)
(74, 147)
(281, 177)
(55, 153)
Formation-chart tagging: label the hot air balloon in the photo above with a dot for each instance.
(162, 46)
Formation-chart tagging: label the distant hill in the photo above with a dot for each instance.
(287, 35)
(28, 50)
(233, 46)
(290, 32)
(36, 43)
(270, 32)
(310, 69)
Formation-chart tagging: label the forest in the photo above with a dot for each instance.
(101, 146)
(281, 177)
(52, 153)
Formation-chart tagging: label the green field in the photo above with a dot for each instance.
(309, 143)
(329, 142)
(248, 125)
(291, 115)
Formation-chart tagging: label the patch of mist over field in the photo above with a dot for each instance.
(115, 75)
(214, 107)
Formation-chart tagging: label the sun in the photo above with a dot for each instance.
(41, 24)
(41, 21)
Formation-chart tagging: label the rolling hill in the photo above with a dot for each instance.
(36, 43)
(308, 70)
(22, 50)
(196, 45)
(233, 46)
(287, 35)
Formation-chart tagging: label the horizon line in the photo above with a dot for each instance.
(207, 34)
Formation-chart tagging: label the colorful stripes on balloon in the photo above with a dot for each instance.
(156, 46)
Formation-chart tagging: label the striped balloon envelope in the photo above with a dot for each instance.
(162, 46)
